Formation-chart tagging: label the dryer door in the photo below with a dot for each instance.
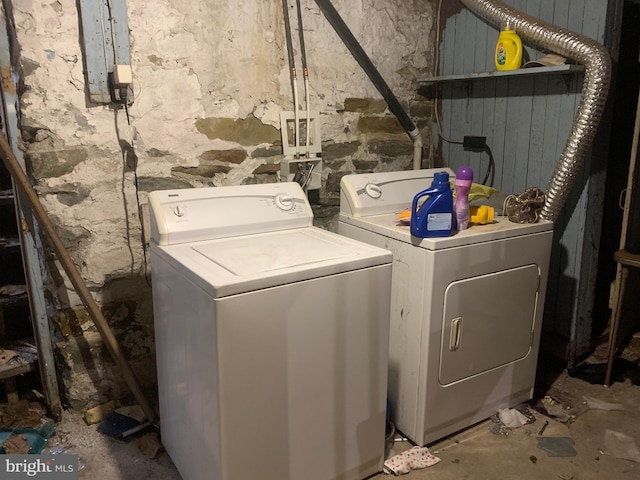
(488, 322)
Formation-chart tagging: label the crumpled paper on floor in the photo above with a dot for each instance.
(507, 419)
(415, 458)
(621, 446)
(512, 418)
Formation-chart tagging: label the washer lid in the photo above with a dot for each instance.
(259, 255)
(236, 265)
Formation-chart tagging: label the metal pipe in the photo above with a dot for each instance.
(374, 75)
(595, 88)
(305, 76)
(287, 35)
(294, 76)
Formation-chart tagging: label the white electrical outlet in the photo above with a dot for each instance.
(122, 75)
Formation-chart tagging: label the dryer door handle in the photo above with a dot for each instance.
(456, 334)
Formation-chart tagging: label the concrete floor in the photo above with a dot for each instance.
(476, 453)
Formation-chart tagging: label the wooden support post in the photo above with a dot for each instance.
(22, 182)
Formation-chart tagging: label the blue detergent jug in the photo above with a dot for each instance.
(434, 218)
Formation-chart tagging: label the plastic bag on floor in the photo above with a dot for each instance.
(601, 404)
(506, 419)
(512, 418)
(621, 446)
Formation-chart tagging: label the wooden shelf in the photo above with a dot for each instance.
(25, 360)
(9, 243)
(10, 370)
(560, 69)
(6, 197)
(13, 300)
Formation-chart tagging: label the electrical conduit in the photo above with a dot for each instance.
(595, 88)
(374, 75)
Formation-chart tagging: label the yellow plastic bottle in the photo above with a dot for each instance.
(508, 50)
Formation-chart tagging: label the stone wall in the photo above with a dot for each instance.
(210, 80)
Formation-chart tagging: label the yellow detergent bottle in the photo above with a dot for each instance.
(508, 50)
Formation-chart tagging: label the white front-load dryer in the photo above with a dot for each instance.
(271, 337)
(466, 310)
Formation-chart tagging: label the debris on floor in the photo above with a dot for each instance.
(506, 419)
(96, 414)
(125, 423)
(543, 428)
(149, 444)
(24, 427)
(557, 446)
(512, 418)
(415, 458)
(133, 411)
(16, 443)
(21, 414)
(598, 404)
(106, 458)
(62, 450)
(550, 407)
(621, 446)
(623, 371)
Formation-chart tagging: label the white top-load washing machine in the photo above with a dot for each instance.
(271, 337)
(466, 310)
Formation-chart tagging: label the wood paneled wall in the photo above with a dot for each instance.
(527, 121)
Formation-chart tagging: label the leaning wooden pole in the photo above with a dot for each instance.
(22, 182)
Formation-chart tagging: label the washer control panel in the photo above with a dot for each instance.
(189, 215)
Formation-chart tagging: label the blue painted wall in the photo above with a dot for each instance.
(527, 121)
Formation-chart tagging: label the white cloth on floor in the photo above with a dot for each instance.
(413, 459)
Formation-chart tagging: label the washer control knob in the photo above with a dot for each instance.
(178, 211)
(373, 190)
(284, 202)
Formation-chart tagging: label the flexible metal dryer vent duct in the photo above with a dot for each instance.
(372, 72)
(597, 64)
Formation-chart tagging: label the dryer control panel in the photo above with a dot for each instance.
(367, 194)
(197, 214)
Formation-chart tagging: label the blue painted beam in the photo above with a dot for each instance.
(105, 35)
